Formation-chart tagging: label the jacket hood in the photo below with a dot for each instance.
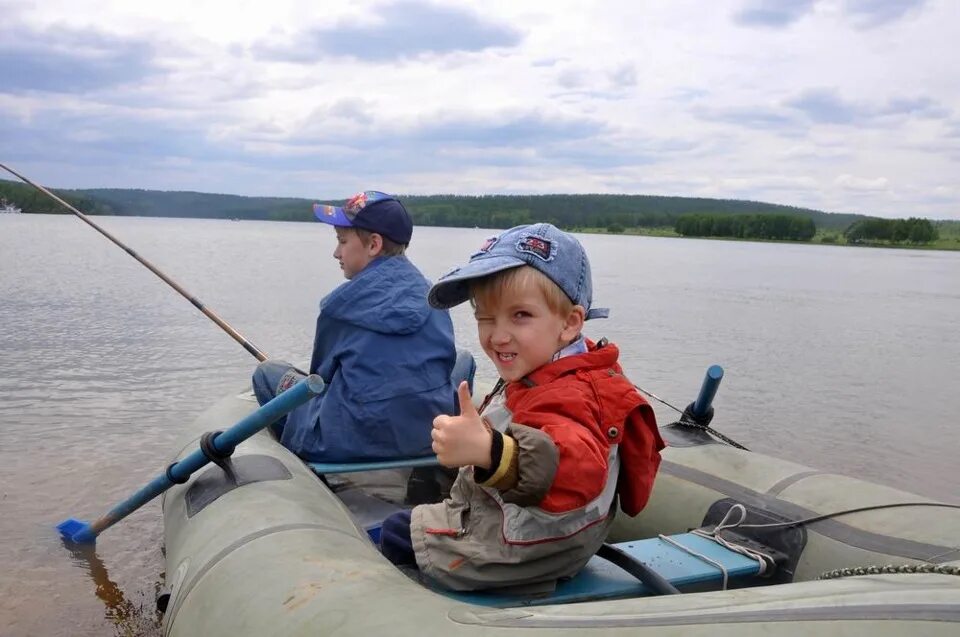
(388, 296)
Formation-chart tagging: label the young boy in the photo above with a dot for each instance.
(562, 434)
(384, 353)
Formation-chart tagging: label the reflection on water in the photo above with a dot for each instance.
(838, 358)
(127, 618)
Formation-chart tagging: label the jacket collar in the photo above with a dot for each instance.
(595, 357)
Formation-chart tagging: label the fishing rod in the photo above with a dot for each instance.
(257, 353)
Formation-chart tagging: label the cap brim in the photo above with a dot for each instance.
(454, 288)
(333, 215)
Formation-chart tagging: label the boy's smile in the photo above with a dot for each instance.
(522, 333)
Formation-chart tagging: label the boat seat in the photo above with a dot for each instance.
(368, 510)
(322, 468)
(601, 579)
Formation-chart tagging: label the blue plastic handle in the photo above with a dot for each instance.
(711, 382)
(80, 532)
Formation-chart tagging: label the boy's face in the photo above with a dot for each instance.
(522, 333)
(352, 254)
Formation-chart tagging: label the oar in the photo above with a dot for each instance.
(711, 382)
(237, 336)
(222, 444)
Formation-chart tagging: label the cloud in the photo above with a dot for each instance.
(624, 76)
(62, 60)
(920, 106)
(753, 117)
(402, 30)
(352, 109)
(548, 62)
(863, 14)
(572, 78)
(866, 14)
(825, 106)
(445, 142)
(504, 130)
(772, 13)
(768, 183)
(862, 184)
(688, 94)
(107, 138)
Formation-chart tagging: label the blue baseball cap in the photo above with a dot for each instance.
(370, 210)
(543, 246)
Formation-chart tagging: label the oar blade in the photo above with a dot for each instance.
(76, 531)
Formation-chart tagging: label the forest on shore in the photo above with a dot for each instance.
(632, 214)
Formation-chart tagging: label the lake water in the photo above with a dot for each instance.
(840, 358)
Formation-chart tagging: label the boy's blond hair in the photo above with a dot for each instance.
(390, 247)
(488, 291)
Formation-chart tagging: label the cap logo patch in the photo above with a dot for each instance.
(356, 203)
(539, 247)
(488, 244)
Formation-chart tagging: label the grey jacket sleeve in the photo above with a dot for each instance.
(537, 461)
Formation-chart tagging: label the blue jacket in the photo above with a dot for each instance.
(386, 357)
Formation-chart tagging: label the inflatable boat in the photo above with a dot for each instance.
(732, 542)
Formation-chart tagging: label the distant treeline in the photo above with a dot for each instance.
(782, 227)
(912, 230)
(614, 213)
(488, 211)
(29, 199)
(591, 211)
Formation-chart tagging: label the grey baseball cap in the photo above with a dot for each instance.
(543, 246)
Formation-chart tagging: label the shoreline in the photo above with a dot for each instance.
(944, 244)
(950, 244)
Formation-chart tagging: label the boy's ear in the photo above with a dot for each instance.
(574, 323)
(376, 244)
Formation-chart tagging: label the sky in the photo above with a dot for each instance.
(838, 105)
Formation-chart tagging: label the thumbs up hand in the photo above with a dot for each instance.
(462, 440)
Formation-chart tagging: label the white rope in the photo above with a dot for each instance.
(700, 556)
(765, 561)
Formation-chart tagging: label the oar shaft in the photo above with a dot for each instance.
(225, 441)
(226, 327)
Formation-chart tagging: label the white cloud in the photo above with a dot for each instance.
(860, 184)
(839, 104)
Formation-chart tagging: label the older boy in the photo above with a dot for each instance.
(384, 353)
(563, 433)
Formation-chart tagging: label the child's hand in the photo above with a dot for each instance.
(462, 440)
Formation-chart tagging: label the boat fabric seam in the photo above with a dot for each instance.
(861, 612)
(779, 487)
(835, 530)
(233, 546)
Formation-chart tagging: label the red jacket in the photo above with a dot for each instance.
(586, 404)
